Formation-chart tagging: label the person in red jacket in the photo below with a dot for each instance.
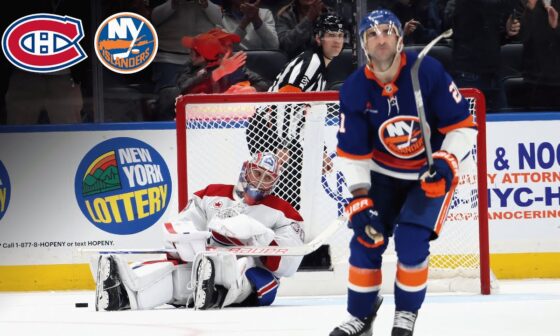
(214, 69)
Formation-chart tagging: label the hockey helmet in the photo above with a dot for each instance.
(328, 23)
(379, 17)
(258, 176)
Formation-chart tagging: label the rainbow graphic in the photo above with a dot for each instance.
(102, 175)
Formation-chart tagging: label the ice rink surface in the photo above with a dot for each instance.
(522, 308)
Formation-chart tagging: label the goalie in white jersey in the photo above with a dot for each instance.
(219, 215)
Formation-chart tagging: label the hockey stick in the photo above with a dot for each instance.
(420, 102)
(127, 52)
(246, 250)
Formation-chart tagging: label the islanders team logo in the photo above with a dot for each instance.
(4, 190)
(44, 42)
(402, 136)
(126, 43)
(123, 186)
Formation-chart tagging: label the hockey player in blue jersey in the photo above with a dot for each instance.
(383, 159)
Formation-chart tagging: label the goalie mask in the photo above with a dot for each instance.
(258, 177)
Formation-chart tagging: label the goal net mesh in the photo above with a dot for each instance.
(220, 135)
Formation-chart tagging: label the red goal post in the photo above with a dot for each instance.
(211, 145)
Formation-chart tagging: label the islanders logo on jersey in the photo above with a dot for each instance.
(123, 186)
(402, 137)
(44, 42)
(4, 190)
(126, 43)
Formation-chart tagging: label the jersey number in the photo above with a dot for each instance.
(341, 128)
(455, 92)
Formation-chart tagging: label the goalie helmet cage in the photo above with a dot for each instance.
(216, 133)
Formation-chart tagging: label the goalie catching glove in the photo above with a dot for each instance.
(247, 229)
(364, 220)
(446, 169)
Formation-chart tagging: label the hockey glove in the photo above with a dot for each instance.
(444, 177)
(364, 220)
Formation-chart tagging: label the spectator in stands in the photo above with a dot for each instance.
(480, 28)
(53, 97)
(214, 69)
(541, 53)
(173, 19)
(447, 14)
(422, 20)
(254, 25)
(284, 124)
(295, 25)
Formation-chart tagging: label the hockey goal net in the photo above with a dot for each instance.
(216, 133)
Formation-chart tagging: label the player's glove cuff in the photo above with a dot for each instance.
(444, 178)
(358, 204)
(363, 219)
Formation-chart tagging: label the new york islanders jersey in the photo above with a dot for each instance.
(220, 201)
(380, 121)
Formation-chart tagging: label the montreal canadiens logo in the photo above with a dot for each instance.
(126, 43)
(123, 186)
(402, 136)
(44, 42)
(4, 190)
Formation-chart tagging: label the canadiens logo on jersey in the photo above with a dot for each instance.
(402, 137)
(44, 42)
(126, 43)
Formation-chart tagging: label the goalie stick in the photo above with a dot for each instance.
(301, 250)
(420, 102)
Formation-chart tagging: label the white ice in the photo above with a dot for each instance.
(521, 308)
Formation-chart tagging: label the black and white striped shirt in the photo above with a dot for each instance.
(280, 125)
(306, 72)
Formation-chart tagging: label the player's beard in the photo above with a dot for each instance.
(382, 64)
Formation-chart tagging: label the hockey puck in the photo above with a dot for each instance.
(81, 304)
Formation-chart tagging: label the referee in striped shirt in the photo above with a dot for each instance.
(281, 125)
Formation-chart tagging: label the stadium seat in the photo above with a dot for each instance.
(522, 96)
(442, 53)
(512, 60)
(340, 68)
(267, 63)
(515, 92)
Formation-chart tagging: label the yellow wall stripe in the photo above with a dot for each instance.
(525, 265)
(46, 277)
(78, 276)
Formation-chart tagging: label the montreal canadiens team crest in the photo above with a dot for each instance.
(126, 43)
(44, 42)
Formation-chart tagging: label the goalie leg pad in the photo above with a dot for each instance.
(207, 294)
(146, 285)
(153, 284)
(228, 275)
(226, 268)
(182, 290)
